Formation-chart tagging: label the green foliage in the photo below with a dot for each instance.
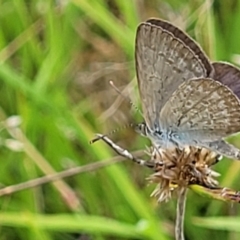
(56, 59)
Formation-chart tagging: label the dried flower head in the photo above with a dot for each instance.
(175, 169)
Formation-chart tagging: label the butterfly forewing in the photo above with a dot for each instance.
(201, 110)
(163, 62)
(187, 40)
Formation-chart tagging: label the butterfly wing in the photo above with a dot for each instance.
(223, 148)
(201, 110)
(163, 62)
(228, 75)
(187, 40)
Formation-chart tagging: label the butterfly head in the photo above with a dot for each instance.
(158, 137)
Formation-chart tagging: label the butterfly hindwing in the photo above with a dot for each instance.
(201, 110)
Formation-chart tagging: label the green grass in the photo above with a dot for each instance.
(55, 65)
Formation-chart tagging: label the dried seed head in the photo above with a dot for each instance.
(175, 169)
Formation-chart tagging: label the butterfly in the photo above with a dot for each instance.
(186, 99)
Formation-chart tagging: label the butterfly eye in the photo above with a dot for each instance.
(141, 128)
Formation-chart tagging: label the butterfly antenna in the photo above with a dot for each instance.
(134, 106)
(128, 125)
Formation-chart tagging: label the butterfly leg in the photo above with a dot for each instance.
(122, 152)
(224, 149)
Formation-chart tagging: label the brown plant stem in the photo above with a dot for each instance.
(67, 173)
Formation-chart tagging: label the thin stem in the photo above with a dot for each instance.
(67, 173)
(179, 227)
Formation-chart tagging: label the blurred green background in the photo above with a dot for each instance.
(56, 61)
